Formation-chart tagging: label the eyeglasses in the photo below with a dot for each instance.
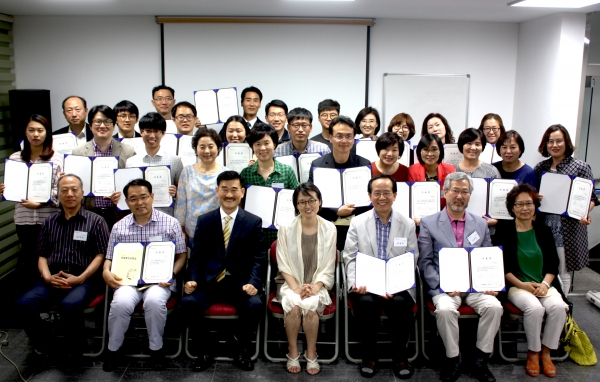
(524, 204)
(430, 151)
(310, 202)
(341, 137)
(494, 129)
(386, 194)
(328, 116)
(160, 99)
(456, 191)
(400, 127)
(297, 126)
(273, 115)
(181, 117)
(558, 142)
(106, 122)
(134, 200)
(125, 116)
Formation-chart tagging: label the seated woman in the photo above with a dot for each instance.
(306, 261)
(531, 266)
(389, 148)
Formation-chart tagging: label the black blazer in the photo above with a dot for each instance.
(88, 132)
(245, 257)
(135, 135)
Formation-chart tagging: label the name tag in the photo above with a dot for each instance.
(80, 235)
(277, 185)
(400, 242)
(473, 238)
(155, 238)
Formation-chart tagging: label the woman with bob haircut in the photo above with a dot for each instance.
(531, 266)
(435, 123)
(471, 142)
(389, 147)
(306, 255)
(403, 125)
(196, 191)
(492, 127)
(570, 235)
(235, 130)
(29, 216)
(367, 123)
(510, 147)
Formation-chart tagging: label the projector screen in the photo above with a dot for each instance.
(296, 63)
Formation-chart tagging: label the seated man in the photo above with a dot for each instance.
(71, 247)
(455, 227)
(144, 224)
(384, 234)
(300, 126)
(226, 265)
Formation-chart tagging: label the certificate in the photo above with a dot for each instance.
(82, 167)
(499, 188)
(402, 202)
(489, 155)
(580, 197)
(454, 270)
(291, 161)
(425, 199)
(103, 178)
(227, 103)
(169, 143)
(137, 143)
(206, 104)
(122, 177)
(329, 182)
(400, 273)
(127, 262)
(300, 163)
(555, 188)
(237, 156)
(185, 151)
(452, 154)
(383, 277)
(355, 183)
(273, 205)
(487, 269)
(366, 149)
(64, 143)
(479, 197)
(29, 181)
(284, 209)
(160, 178)
(158, 263)
(405, 158)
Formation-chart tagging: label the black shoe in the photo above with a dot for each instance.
(243, 361)
(403, 370)
(111, 361)
(203, 362)
(367, 369)
(451, 372)
(158, 361)
(481, 372)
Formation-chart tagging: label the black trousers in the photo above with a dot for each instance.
(367, 310)
(250, 310)
(28, 258)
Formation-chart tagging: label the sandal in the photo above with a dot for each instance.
(548, 367)
(293, 362)
(533, 364)
(312, 364)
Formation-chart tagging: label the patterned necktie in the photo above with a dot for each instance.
(226, 236)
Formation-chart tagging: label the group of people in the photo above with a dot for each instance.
(69, 241)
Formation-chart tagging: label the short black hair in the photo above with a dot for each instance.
(299, 113)
(327, 105)
(425, 141)
(74, 96)
(510, 134)
(258, 132)
(344, 121)
(303, 189)
(206, 132)
(234, 118)
(106, 110)
(389, 139)
(185, 104)
(252, 89)
(229, 175)
(153, 120)
(469, 135)
(127, 106)
(163, 87)
(137, 182)
(363, 113)
(276, 103)
(383, 176)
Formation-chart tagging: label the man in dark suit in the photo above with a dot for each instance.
(226, 265)
(75, 110)
(251, 99)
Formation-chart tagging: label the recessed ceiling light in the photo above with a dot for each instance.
(554, 3)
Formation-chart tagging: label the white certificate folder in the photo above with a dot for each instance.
(471, 270)
(96, 173)
(158, 176)
(144, 262)
(417, 199)
(273, 205)
(30, 181)
(300, 163)
(383, 277)
(216, 105)
(566, 195)
(489, 197)
(343, 186)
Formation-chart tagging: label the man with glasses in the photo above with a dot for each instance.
(163, 99)
(383, 234)
(455, 227)
(185, 117)
(153, 127)
(300, 126)
(127, 117)
(328, 110)
(144, 224)
(276, 116)
(251, 99)
(75, 110)
(102, 119)
(341, 134)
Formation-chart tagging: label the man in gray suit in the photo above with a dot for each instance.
(455, 227)
(102, 121)
(382, 233)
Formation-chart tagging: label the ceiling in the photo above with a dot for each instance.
(472, 10)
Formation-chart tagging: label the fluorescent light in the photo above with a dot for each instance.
(554, 3)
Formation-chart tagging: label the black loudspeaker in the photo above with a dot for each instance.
(23, 103)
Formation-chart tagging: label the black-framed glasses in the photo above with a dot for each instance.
(310, 202)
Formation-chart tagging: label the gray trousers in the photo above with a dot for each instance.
(125, 299)
(487, 307)
(533, 309)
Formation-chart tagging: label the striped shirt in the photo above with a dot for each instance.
(31, 216)
(99, 201)
(382, 232)
(288, 148)
(57, 243)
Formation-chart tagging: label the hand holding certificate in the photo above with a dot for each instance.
(237, 156)
(566, 195)
(346, 186)
(274, 206)
(27, 181)
(143, 263)
(383, 277)
(471, 270)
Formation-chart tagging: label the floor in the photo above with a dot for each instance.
(18, 350)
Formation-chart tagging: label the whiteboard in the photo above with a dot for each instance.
(421, 94)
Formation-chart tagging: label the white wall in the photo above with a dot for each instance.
(548, 83)
(486, 51)
(103, 59)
